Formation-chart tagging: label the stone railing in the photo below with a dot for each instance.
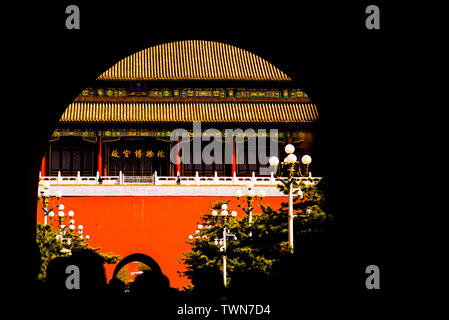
(121, 179)
(80, 180)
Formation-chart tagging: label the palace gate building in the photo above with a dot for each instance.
(135, 185)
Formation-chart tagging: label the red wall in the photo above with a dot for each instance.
(156, 226)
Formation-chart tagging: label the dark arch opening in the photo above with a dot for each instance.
(140, 257)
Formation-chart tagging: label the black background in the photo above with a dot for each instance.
(351, 73)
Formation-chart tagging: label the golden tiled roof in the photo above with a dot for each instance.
(89, 112)
(193, 60)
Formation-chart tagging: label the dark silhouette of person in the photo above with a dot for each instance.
(314, 273)
(250, 287)
(29, 280)
(151, 293)
(92, 278)
(208, 287)
(151, 284)
(116, 288)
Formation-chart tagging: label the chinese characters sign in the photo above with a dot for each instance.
(138, 153)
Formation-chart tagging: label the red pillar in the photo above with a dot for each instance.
(43, 165)
(234, 165)
(99, 157)
(178, 161)
(105, 161)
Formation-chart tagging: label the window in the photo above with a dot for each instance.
(70, 158)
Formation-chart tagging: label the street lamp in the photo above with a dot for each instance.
(223, 214)
(250, 196)
(291, 162)
(63, 227)
(45, 197)
(66, 224)
(81, 231)
(222, 242)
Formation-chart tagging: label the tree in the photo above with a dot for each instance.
(124, 276)
(262, 243)
(310, 206)
(143, 267)
(50, 247)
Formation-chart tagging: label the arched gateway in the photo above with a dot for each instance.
(139, 257)
(164, 132)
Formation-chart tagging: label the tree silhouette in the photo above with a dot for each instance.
(259, 245)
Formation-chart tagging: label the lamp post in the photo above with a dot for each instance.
(45, 197)
(65, 223)
(250, 196)
(224, 212)
(222, 242)
(63, 219)
(290, 162)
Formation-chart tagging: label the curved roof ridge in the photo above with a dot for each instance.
(194, 60)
